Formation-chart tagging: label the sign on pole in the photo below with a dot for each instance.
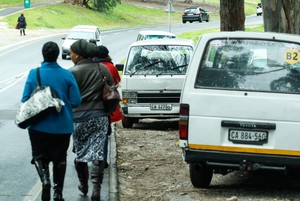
(26, 3)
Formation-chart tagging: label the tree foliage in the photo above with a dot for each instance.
(105, 5)
(99, 5)
(232, 15)
(281, 16)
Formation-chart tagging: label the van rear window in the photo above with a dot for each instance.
(251, 65)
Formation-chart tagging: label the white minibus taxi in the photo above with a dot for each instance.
(152, 79)
(240, 105)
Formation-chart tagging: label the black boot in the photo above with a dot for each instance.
(42, 168)
(59, 172)
(83, 176)
(24, 32)
(20, 32)
(97, 177)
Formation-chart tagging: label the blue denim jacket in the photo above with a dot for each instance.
(64, 83)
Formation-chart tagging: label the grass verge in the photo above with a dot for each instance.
(194, 35)
(65, 16)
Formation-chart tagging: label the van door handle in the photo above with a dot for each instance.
(248, 124)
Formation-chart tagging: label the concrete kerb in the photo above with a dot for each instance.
(113, 173)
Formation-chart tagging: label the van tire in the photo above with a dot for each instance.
(127, 122)
(200, 176)
(135, 120)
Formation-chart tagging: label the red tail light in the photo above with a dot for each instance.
(184, 121)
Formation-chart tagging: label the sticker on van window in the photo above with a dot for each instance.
(292, 56)
(217, 43)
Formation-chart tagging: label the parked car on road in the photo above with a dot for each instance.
(192, 14)
(239, 106)
(86, 32)
(153, 34)
(152, 79)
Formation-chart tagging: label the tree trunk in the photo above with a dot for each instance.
(281, 16)
(232, 15)
(77, 2)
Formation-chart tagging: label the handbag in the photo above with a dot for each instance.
(110, 95)
(41, 103)
(17, 25)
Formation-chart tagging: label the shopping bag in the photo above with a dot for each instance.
(42, 102)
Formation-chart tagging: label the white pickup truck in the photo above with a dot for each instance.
(152, 79)
(240, 105)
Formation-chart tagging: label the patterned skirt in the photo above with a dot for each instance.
(89, 138)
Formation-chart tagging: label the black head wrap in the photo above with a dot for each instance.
(50, 51)
(84, 48)
(102, 52)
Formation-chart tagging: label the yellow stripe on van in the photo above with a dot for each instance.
(245, 150)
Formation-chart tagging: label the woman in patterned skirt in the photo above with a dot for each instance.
(91, 121)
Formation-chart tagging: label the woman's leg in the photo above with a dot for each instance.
(97, 178)
(106, 152)
(41, 162)
(89, 139)
(59, 171)
(59, 158)
(83, 175)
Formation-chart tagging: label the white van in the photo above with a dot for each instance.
(154, 34)
(152, 79)
(240, 105)
(86, 32)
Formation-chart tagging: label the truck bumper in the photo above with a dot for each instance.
(239, 161)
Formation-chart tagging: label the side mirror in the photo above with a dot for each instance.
(120, 67)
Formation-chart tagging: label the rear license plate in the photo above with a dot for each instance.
(160, 106)
(248, 136)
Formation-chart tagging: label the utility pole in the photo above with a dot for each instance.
(170, 15)
(169, 9)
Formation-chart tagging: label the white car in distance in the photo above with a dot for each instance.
(86, 32)
(153, 34)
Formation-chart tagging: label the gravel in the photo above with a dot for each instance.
(150, 168)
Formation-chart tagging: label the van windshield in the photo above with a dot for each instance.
(158, 59)
(253, 65)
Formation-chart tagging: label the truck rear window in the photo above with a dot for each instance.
(251, 65)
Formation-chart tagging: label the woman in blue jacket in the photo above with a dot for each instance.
(50, 136)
